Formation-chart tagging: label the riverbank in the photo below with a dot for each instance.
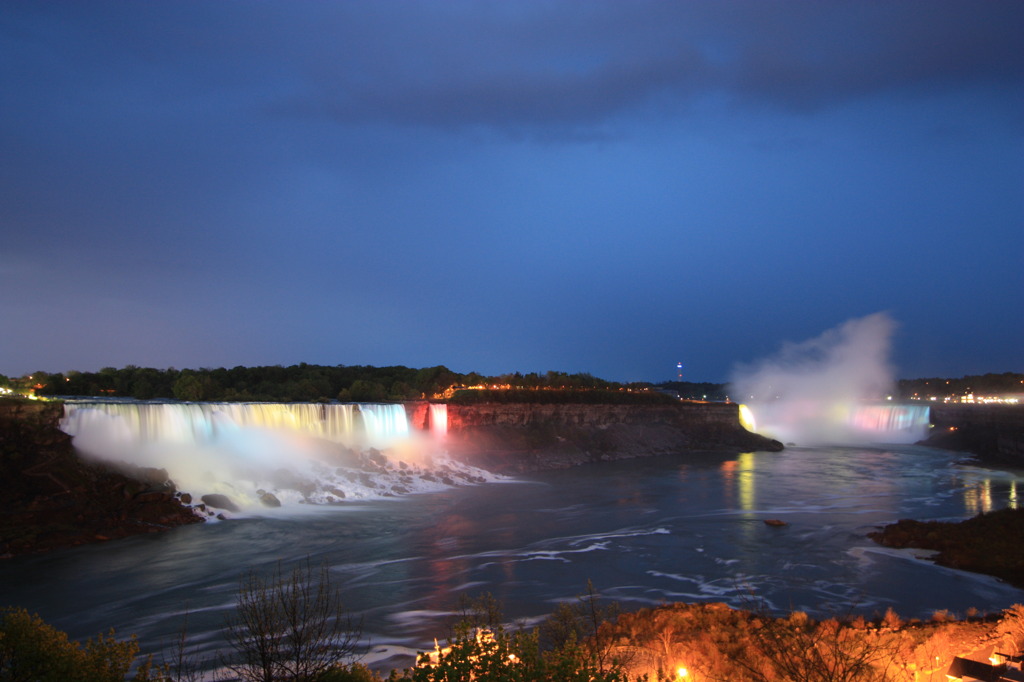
(988, 543)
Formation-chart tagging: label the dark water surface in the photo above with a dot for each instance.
(647, 531)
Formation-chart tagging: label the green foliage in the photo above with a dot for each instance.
(267, 384)
(32, 651)
(501, 656)
(306, 383)
(362, 391)
(483, 611)
(576, 630)
(482, 649)
(356, 672)
(188, 387)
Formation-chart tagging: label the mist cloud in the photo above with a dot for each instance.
(817, 391)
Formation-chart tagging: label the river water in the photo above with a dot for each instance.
(645, 531)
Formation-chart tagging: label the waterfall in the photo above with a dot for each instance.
(384, 424)
(200, 423)
(439, 420)
(891, 419)
(810, 422)
(266, 453)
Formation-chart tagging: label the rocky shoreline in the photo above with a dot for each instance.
(988, 543)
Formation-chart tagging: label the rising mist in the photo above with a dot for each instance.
(831, 389)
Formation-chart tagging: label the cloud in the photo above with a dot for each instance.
(555, 66)
(509, 66)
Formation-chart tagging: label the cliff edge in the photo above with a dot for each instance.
(519, 437)
(994, 433)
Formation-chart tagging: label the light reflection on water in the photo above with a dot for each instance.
(644, 531)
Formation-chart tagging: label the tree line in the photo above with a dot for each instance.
(1007, 383)
(295, 383)
(365, 383)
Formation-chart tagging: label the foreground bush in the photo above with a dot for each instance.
(500, 656)
(32, 651)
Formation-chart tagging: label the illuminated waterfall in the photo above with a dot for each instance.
(891, 419)
(839, 423)
(252, 452)
(199, 423)
(439, 420)
(384, 424)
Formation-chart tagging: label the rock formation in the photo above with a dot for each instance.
(52, 498)
(517, 437)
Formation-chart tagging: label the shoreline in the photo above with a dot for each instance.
(988, 543)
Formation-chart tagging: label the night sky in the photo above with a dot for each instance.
(602, 186)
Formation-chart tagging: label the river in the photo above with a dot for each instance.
(645, 532)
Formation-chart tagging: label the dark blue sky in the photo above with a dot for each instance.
(599, 186)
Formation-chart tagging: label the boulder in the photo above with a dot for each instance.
(219, 501)
(268, 499)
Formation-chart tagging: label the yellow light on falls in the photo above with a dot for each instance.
(747, 419)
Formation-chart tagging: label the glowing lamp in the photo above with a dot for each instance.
(682, 672)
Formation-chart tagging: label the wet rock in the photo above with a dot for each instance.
(377, 457)
(220, 502)
(153, 476)
(268, 499)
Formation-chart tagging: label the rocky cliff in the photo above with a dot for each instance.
(993, 432)
(523, 437)
(53, 499)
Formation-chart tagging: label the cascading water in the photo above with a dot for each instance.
(199, 423)
(265, 454)
(439, 420)
(903, 421)
(816, 423)
(384, 424)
